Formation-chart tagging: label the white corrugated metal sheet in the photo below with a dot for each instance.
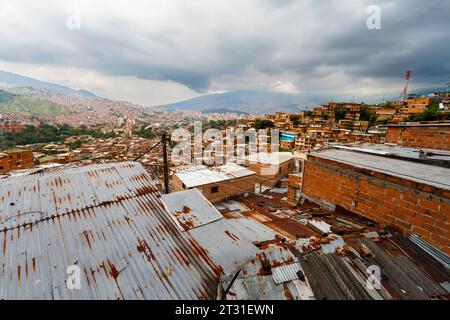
(233, 170)
(106, 219)
(200, 175)
(286, 272)
(229, 242)
(272, 275)
(190, 208)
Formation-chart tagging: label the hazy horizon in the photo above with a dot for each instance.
(161, 52)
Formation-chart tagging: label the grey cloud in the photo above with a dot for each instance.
(280, 40)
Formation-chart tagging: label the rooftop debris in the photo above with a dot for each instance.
(335, 259)
(132, 243)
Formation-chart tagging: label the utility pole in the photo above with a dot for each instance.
(166, 163)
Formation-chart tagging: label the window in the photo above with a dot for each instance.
(214, 189)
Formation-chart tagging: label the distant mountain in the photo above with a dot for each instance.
(219, 110)
(9, 79)
(252, 102)
(30, 107)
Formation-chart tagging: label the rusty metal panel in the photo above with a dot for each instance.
(229, 242)
(108, 220)
(190, 208)
(259, 278)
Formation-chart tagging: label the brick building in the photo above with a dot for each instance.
(296, 178)
(421, 135)
(270, 168)
(416, 105)
(13, 127)
(14, 160)
(216, 183)
(4, 163)
(411, 196)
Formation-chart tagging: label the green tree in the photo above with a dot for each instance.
(368, 115)
(263, 124)
(340, 113)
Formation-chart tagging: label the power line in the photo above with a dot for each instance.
(147, 151)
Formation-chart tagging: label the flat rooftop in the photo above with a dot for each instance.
(395, 151)
(200, 175)
(270, 158)
(423, 173)
(419, 124)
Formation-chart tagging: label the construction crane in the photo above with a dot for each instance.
(404, 93)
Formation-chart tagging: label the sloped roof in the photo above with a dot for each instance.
(200, 175)
(190, 208)
(109, 221)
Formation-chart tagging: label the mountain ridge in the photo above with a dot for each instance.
(13, 79)
(253, 102)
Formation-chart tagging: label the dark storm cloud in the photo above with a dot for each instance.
(299, 42)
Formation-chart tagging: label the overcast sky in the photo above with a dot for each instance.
(155, 52)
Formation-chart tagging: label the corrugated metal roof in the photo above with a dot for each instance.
(191, 208)
(271, 275)
(440, 256)
(232, 170)
(274, 158)
(106, 219)
(199, 175)
(286, 272)
(228, 242)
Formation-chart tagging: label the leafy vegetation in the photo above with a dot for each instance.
(263, 124)
(340, 113)
(30, 106)
(147, 134)
(48, 133)
(295, 118)
(429, 115)
(368, 115)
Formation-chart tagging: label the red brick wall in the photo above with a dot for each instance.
(4, 164)
(20, 160)
(226, 189)
(272, 173)
(409, 206)
(420, 137)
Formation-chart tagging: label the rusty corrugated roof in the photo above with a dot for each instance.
(190, 208)
(106, 219)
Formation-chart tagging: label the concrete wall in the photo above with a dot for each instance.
(430, 137)
(409, 206)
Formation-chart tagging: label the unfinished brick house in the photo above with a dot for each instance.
(409, 195)
(420, 135)
(16, 160)
(270, 168)
(4, 163)
(215, 183)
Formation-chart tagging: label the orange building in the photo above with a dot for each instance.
(416, 105)
(18, 159)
